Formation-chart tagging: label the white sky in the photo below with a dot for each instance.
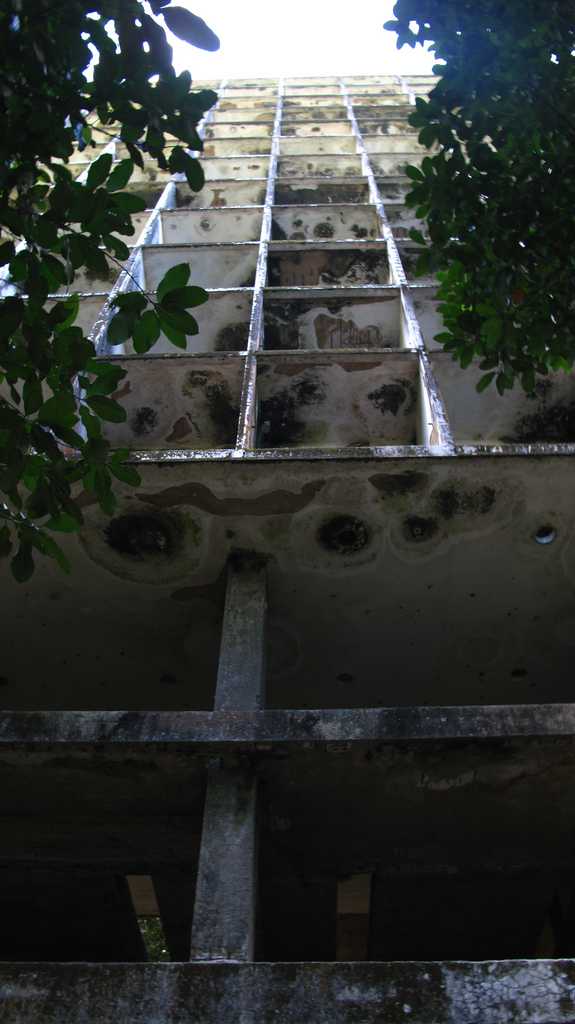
(263, 38)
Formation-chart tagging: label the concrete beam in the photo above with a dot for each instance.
(491, 992)
(248, 729)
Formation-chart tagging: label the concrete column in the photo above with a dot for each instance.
(224, 910)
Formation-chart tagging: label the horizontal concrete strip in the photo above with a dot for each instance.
(522, 991)
(297, 727)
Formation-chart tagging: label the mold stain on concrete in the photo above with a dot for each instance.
(279, 422)
(324, 230)
(343, 535)
(211, 389)
(233, 338)
(390, 398)
(418, 529)
(399, 485)
(143, 421)
(144, 537)
(449, 502)
(554, 424)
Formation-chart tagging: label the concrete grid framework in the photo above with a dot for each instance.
(338, 612)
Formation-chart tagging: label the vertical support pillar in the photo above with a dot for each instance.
(224, 911)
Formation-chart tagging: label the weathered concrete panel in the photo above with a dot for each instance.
(238, 131)
(391, 143)
(315, 142)
(232, 167)
(316, 223)
(211, 226)
(219, 266)
(240, 116)
(312, 165)
(546, 414)
(234, 146)
(326, 222)
(223, 326)
(178, 402)
(222, 193)
(308, 190)
(349, 319)
(327, 264)
(353, 400)
(312, 129)
(395, 163)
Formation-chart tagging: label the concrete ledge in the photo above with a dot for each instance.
(249, 729)
(492, 992)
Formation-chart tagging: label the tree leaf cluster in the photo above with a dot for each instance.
(54, 392)
(497, 191)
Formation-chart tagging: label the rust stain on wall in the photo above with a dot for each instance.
(214, 592)
(217, 200)
(122, 392)
(279, 502)
(180, 429)
(334, 332)
(354, 367)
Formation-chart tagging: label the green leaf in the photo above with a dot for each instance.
(106, 499)
(485, 310)
(99, 170)
(180, 161)
(46, 233)
(414, 173)
(466, 357)
(63, 314)
(428, 135)
(90, 423)
(61, 558)
(5, 542)
(177, 319)
(105, 383)
(107, 408)
(147, 332)
(129, 203)
(528, 380)
(484, 382)
(120, 176)
(186, 297)
(119, 247)
(491, 331)
(133, 300)
(65, 524)
(176, 277)
(416, 236)
(58, 408)
(22, 564)
(126, 474)
(122, 325)
(175, 337)
(96, 451)
(32, 395)
(190, 28)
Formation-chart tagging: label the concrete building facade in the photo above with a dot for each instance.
(308, 696)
